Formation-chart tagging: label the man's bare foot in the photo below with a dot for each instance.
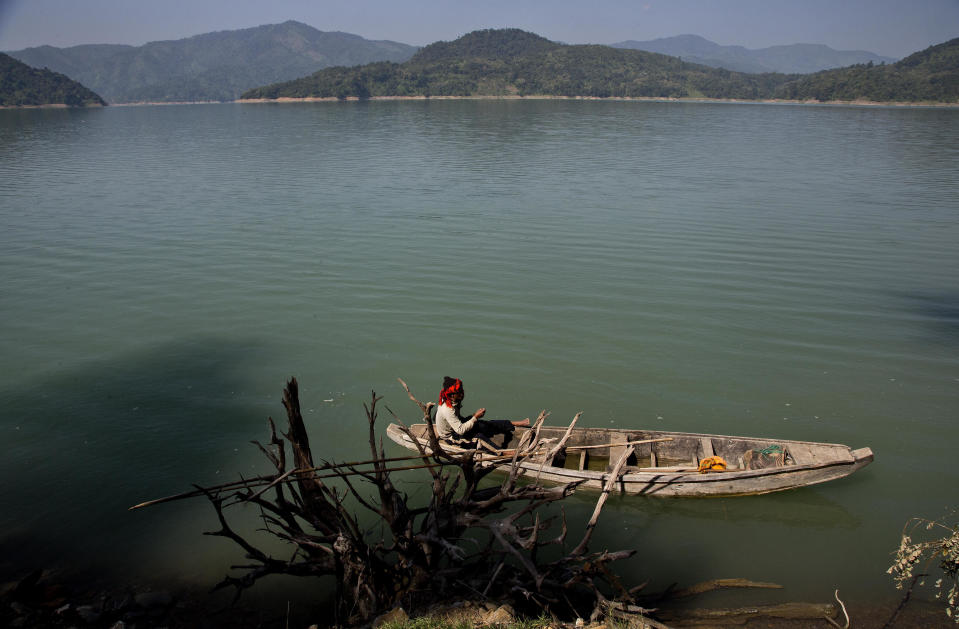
(521, 423)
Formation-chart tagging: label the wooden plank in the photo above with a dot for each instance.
(583, 460)
(670, 468)
(616, 448)
(802, 454)
(707, 447)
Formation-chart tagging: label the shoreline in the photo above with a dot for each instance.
(639, 99)
(68, 598)
(652, 99)
(53, 106)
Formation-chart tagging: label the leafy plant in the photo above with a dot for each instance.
(915, 557)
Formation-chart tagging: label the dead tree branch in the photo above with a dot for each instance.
(430, 550)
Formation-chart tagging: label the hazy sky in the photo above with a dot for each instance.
(888, 27)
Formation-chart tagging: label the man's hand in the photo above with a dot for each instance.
(479, 413)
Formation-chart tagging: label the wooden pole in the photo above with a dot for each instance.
(610, 482)
(613, 445)
(291, 476)
(269, 479)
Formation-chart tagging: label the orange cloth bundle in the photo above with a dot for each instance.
(712, 464)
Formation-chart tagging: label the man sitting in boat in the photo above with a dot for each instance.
(453, 427)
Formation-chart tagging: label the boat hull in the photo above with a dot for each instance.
(807, 463)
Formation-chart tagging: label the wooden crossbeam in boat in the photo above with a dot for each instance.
(583, 459)
(707, 447)
(617, 451)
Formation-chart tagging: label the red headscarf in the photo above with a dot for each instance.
(446, 393)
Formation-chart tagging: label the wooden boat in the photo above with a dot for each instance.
(666, 464)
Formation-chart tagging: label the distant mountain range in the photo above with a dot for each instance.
(511, 62)
(210, 67)
(296, 60)
(23, 86)
(794, 59)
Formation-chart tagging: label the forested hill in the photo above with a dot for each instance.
(929, 75)
(515, 62)
(794, 58)
(505, 44)
(23, 86)
(213, 66)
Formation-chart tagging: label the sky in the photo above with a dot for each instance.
(894, 28)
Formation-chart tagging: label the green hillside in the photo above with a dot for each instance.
(23, 86)
(511, 61)
(213, 66)
(791, 59)
(929, 75)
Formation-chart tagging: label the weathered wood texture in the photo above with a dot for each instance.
(673, 458)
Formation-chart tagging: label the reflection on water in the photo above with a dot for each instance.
(804, 508)
(89, 442)
(940, 313)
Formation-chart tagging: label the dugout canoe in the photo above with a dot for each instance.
(666, 464)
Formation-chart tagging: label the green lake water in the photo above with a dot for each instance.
(769, 270)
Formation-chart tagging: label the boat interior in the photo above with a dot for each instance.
(598, 449)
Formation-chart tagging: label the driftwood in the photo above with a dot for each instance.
(719, 584)
(463, 542)
(457, 545)
(721, 617)
(742, 615)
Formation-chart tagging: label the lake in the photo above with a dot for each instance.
(750, 269)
